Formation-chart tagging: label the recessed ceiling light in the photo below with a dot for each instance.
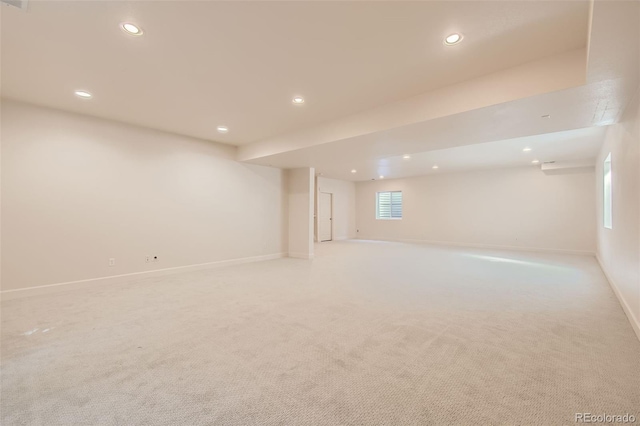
(527, 149)
(83, 94)
(131, 29)
(381, 177)
(406, 157)
(452, 39)
(353, 171)
(535, 161)
(435, 167)
(222, 129)
(298, 100)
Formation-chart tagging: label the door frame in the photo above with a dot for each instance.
(320, 216)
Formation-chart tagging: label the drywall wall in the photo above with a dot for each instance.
(518, 207)
(77, 191)
(619, 247)
(344, 206)
(301, 206)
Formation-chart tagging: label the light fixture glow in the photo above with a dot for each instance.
(452, 39)
(435, 167)
(535, 161)
(353, 171)
(131, 29)
(527, 149)
(83, 94)
(406, 157)
(298, 100)
(222, 129)
(381, 177)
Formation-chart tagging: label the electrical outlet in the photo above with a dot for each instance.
(147, 259)
(112, 261)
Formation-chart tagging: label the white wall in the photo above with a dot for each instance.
(619, 248)
(518, 207)
(301, 205)
(344, 206)
(77, 191)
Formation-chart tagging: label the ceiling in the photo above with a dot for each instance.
(575, 90)
(574, 111)
(377, 79)
(559, 147)
(201, 64)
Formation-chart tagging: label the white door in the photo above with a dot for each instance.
(326, 213)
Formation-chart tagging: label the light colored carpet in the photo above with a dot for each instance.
(369, 333)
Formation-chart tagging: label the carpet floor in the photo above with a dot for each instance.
(368, 333)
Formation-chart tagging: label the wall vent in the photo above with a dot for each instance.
(20, 4)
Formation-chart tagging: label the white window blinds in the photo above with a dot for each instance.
(389, 205)
(607, 198)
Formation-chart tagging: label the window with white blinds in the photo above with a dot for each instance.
(607, 216)
(389, 205)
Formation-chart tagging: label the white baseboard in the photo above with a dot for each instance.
(115, 279)
(635, 324)
(307, 256)
(484, 246)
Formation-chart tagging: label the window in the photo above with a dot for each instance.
(606, 172)
(389, 205)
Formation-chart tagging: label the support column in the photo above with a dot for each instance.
(301, 207)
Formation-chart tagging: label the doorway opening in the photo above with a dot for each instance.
(326, 217)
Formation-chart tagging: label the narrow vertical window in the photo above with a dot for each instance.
(607, 196)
